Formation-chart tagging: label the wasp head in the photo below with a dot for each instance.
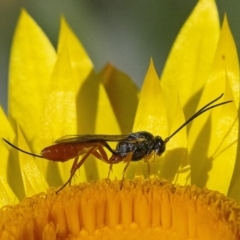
(159, 146)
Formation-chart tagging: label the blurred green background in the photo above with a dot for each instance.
(125, 33)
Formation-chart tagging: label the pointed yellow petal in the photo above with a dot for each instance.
(226, 58)
(60, 111)
(151, 112)
(33, 180)
(31, 63)
(80, 62)
(123, 94)
(72, 67)
(213, 153)
(59, 116)
(191, 57)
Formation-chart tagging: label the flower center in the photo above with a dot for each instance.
(142, 209)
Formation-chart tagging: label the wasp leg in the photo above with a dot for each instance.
(77, 165)
(146, 159)
(110, 170)
(127, 160)
(102, 155)
(154, 169)
(115, 158)
(72, 172)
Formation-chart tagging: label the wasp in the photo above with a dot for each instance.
(131, 147)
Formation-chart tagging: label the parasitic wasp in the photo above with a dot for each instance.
(131, 147)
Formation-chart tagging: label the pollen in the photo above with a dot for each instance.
(141, 209)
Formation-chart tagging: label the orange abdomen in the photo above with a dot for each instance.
(62, 152)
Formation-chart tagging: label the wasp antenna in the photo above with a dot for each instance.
(199, 112)
(21, 150)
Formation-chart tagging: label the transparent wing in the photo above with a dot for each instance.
(92, 138)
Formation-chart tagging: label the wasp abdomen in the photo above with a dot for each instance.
(62, 152)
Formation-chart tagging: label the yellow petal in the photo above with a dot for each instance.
(213, 142)
(223, 146)
(59, 116)
(106, 123)
(123, 94)
(80, 62)
(9, 172)
(232, 71)
(151, 112)
(98, 118)
(71, 69)
(87, 104)
(31, 63)
(6, 131)
(33, 180)
(233, 191)
(226, 58)
(191, 57)
(87, 100)
(175, 161)
(7, 197)
(61, 109)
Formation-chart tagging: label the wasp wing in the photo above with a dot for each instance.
(132, 137)
(91, 138)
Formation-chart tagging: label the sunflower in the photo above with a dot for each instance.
(53, 93)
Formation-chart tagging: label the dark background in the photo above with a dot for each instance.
(124, 32)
